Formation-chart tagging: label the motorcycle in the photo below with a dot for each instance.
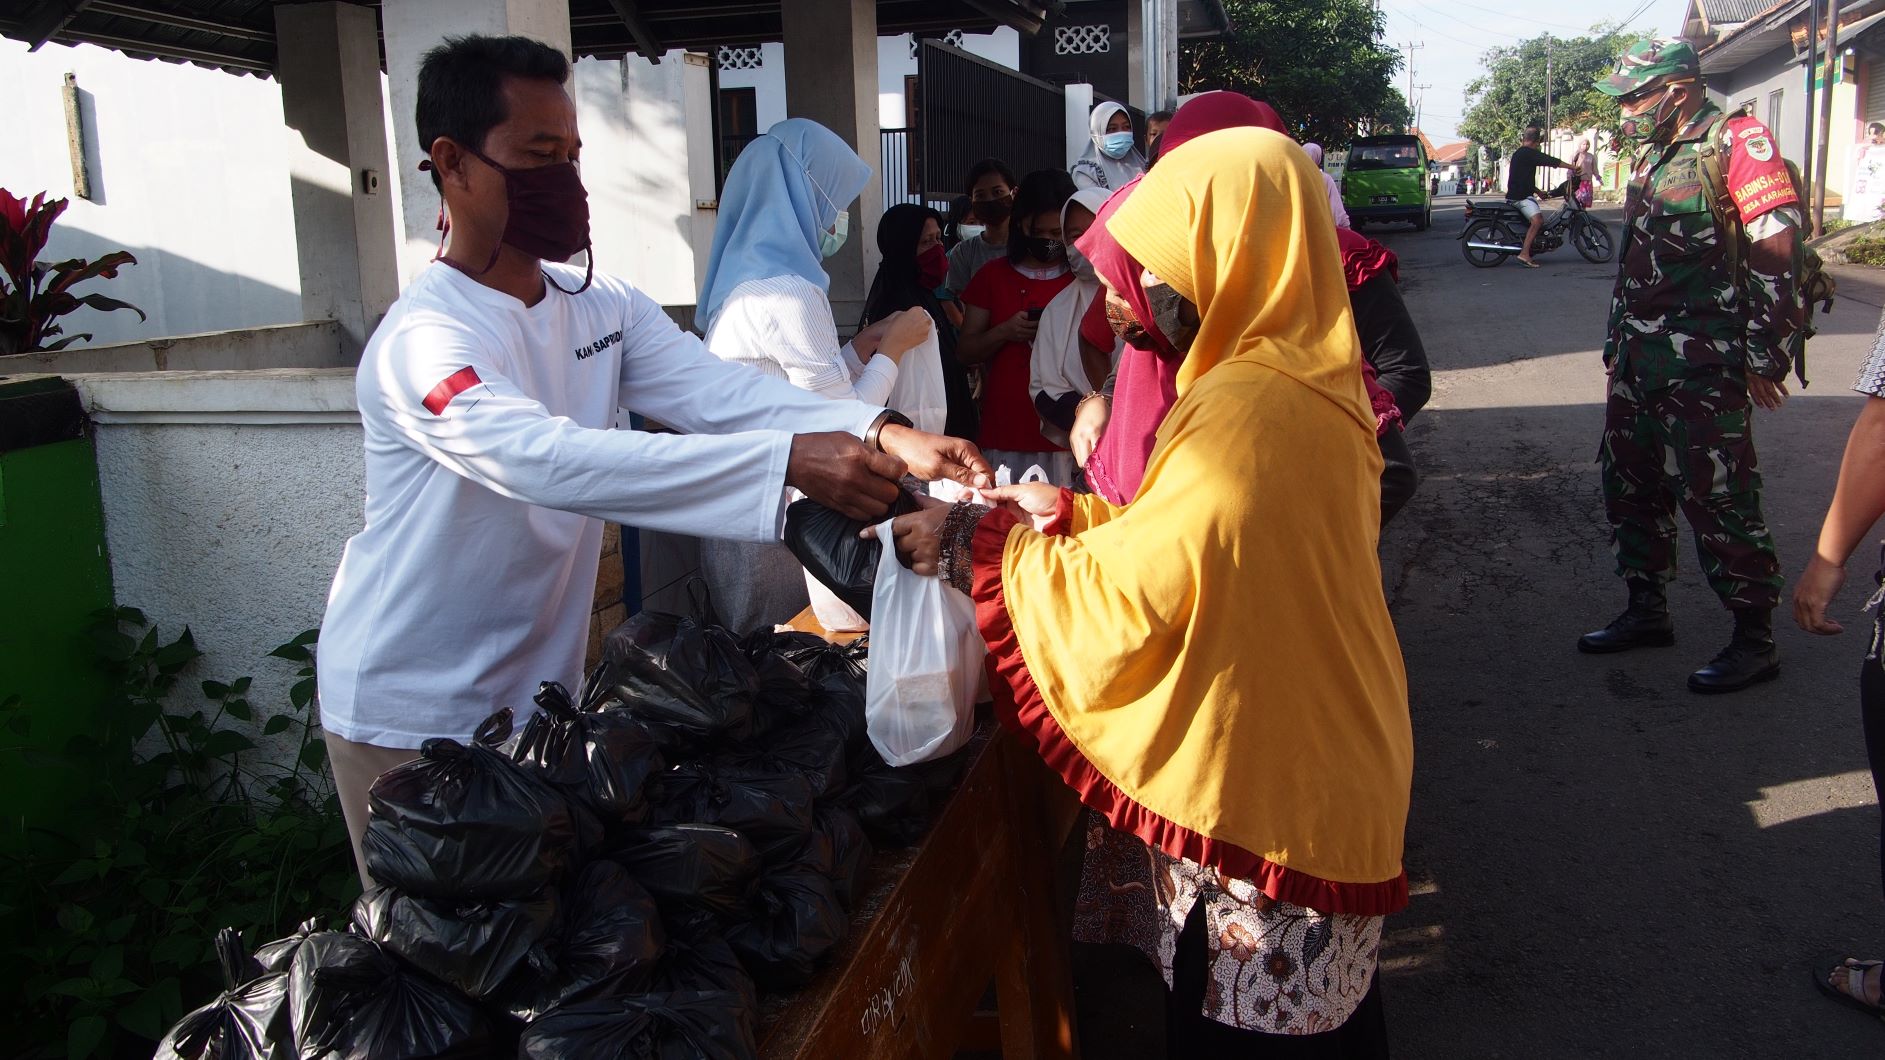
(1495, 230)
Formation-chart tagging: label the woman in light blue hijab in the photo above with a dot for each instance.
(784, 210)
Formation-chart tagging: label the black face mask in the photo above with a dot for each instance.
(1043, 250)
(1173, 316)
(993, 211)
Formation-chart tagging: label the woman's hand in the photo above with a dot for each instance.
(1017, 328)
(1089, 422)
(917, 537)
(907, 331)
(1814, 593)
(1034, 503)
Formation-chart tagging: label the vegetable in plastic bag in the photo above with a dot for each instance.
(676, 1026)
(602, 761)
(701, 866)
(687, 681)
(465, 822)
(470, 946)
(826, 542)
(797, 921)
(698, 958)
(770, 809)
(247, 1021)
(606, 942)
(349, 999)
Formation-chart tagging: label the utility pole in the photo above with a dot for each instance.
(1812, 46)
(1422, 89)
(1411, 45)
(1548, 125)
(1826, 116)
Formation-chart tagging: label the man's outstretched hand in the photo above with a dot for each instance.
(841, 473)
(936, 456)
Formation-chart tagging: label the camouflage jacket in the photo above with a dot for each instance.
(1677, 311)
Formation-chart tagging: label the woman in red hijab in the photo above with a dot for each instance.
(1114, 430)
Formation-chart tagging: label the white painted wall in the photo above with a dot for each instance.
(228, 497)
(190, 169)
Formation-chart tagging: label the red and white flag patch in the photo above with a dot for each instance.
(450, 387)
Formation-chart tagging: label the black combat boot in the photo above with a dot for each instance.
(1749, 658)
(1645, 624)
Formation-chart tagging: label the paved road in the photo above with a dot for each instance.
(1603, 863)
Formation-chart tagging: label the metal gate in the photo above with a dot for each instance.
(969, 109)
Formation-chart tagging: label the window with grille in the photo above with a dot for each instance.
(1083, 40)
(1773, 111)
(747, 58)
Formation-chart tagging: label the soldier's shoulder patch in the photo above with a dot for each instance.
(1756, 172)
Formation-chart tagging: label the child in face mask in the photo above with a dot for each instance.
(1002, 310)
(984, 231)
(1111, 160)
(1066, 366)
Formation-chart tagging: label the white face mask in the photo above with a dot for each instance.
(967, 232)
(1079, 264)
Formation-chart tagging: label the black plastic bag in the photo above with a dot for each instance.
(469, 946)
(784, 690)
(247, 1021)
(771, 809)
(465, 822)
(813, 748)
(851, 852)
(797, 921)
(687, 681)
(896, 805)
(602, 761)
(606, 942)
(698, 958)
(699, 866)
(349, 999)
(826, 542)
(694, 1025)
(276, 956)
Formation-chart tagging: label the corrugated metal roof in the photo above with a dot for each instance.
(239, 35)
(1721, 13)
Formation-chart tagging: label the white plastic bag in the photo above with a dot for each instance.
(918, 392)
(925, 663)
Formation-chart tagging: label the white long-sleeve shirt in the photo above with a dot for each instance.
(492, 460)
(782, 326)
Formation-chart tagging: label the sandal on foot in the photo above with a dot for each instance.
(1855, 973)
(1527, 264)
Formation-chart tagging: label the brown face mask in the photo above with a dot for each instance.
(547, 213)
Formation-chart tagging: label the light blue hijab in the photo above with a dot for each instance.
(783, 194)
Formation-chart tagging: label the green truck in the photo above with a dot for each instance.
(1386, 180)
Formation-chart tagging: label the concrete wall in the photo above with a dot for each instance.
(228, 497)
(190, 173)
(1760, 77)
(310, 344)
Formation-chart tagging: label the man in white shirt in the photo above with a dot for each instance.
(489, 397)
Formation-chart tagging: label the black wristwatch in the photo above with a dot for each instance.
(890, 417)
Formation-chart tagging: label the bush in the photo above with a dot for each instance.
(1868, 250)
(109, 913)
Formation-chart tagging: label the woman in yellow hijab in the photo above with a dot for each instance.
(1212, 666)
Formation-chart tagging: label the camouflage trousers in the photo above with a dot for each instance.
(1688, 442)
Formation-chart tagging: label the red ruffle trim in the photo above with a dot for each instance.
(1019, 705)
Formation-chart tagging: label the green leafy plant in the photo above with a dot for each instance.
(1866, 250)
(109, 913)
(35, 293)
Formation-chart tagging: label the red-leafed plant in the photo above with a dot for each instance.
(35, 293)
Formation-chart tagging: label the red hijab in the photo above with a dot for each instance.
(1147, 386)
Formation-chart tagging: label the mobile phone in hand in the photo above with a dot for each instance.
(1034, 313)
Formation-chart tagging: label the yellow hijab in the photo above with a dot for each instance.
(1213, 666)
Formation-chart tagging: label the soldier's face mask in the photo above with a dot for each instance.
(1656, 125)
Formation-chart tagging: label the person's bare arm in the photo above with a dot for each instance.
(981, 340)
(1858, 503)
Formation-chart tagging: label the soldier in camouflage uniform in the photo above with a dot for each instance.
(1692, 347)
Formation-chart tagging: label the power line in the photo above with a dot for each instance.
(1524, 18)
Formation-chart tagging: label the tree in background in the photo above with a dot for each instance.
(1320, 64)
(1510, 95)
